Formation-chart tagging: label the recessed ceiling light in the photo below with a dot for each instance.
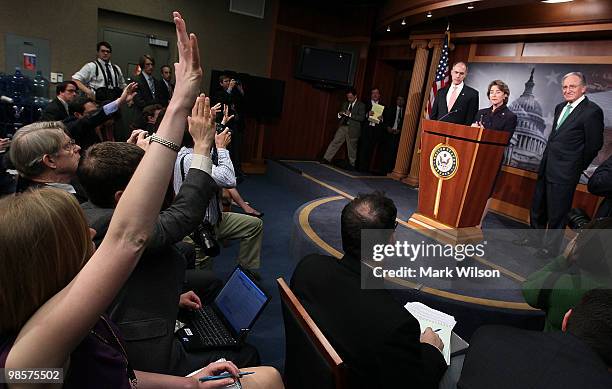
(556, 1)
(429, 14)
(470, 6)
(403, 22)
(388, 28)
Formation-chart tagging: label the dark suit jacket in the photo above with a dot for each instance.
(146, 307)
(572, 147)
(144, 96)
(83, 130)
(54, 111)
(358, 115)
(600, 184)
(376, 337)
(502, 357)
(163, 94)
(502, 119)
(234, 100)
(389, 115)
(466, 106)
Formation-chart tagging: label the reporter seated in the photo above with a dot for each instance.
(578, 356)
(585, 264)
(56, 285)
(45, 156)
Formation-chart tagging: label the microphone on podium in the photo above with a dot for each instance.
(449, 113)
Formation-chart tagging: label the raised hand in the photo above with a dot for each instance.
(226, 117)
(187, 71)
(202, 125)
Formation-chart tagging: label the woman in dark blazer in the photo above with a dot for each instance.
(497, 116)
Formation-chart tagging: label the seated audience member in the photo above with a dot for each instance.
(600, 184)
(58, 109)
(379, 340)
(226, 225)
(497, 116)
(145, 308)
(83, 124)
(579, 357)
(7, 181)
(586, 264)
(56, 286)
(44, 155)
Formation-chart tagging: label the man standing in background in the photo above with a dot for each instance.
(100, 80)
(371, 133)
(456, 102)
(394, 119)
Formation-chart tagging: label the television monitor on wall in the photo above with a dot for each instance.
(331, 67)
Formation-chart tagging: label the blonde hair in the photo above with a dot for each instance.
(32, 142)
(44, 243)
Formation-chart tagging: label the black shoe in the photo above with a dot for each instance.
(526, 241)
(325, 162)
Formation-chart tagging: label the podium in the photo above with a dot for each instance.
(459, 165)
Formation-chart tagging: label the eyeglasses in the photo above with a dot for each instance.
(70, 145)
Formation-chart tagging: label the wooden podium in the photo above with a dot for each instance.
(458, 168)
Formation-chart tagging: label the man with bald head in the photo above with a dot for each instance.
(456, 102)
(575, 140)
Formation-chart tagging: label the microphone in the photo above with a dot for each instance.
(6, 99)
(450, 113)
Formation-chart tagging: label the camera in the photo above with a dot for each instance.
(204, 236)
(577, 218)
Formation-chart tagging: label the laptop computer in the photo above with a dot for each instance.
(226, 321)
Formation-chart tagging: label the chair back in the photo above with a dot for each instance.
(310, 360)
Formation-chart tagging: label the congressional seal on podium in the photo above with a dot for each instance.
(444, 161)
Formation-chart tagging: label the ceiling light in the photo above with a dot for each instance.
(429, 14)
(470, 6)
(556, 1)
(388, 28)
(403, 22)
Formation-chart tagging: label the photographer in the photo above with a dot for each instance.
(220, 225)
(600, 184)
(231, 94)
(584, 265)
(100, 80)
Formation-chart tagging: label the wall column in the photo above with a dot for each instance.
(415, 163)
(412, 113)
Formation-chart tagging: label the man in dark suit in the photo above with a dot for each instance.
(148, 86)
(58, 109)
(456, 102)
(165, 93)
(352, 114)
(579, 357)
(575, 140)
(379, 340)
(371, 132)
(147, 306)
(394, 119)
(600, 184)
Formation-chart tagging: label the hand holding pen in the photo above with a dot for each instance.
(217, 369)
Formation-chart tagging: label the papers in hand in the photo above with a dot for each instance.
(429, 317)
(378, 111)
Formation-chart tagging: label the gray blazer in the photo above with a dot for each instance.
(146, 307)
(358, 115)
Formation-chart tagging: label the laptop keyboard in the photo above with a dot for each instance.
(210, 329)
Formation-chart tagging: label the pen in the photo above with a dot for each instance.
(224, 375)
(439, 329)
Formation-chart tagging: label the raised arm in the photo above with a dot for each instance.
(53, 332)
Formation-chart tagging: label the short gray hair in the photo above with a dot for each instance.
(577, 74)
(462, 63)
(32, 142)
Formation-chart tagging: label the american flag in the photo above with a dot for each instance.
(442, 75)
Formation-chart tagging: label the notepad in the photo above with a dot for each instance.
(429, 317)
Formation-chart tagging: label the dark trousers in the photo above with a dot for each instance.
(551, 204)
(235, 150)
(370, 136)
(388, 148)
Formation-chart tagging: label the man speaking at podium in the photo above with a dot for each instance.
(457, 102)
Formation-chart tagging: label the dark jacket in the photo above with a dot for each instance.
(502, 357)
(600, 184)
(465, 106)
(376, 337)
(144, 96)
(146, 308)
(24, 184)
(83, 129)
(502, 119)
(572, 147)
(164, 94)
(55, 110)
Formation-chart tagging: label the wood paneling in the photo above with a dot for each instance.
(496, 49)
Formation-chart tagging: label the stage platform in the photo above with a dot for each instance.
(316, 228)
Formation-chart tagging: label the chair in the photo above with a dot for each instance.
(310, 360)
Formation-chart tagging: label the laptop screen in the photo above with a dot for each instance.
(240, 300)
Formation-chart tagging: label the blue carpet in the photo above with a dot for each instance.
(284, 191)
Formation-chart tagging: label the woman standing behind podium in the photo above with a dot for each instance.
(497, 116)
